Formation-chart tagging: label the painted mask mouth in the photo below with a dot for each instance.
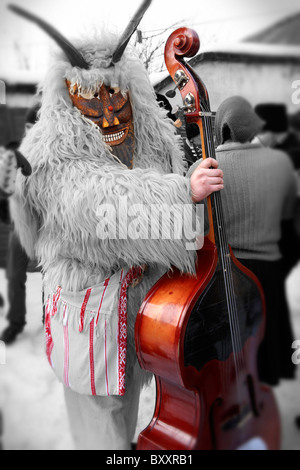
(115, 138)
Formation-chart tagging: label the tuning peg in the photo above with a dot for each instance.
(181, 80)
(171, 93)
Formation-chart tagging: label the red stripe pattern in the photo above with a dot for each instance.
(133, 274)
(115, 342)
(92, 364)
(105, 359)
(86, 299)
(66, 350)
(105, 287)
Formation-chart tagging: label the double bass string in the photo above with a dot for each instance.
(221, 242)
(226, 264)
(227, 275)
(228, 278)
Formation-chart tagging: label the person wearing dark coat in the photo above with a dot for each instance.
(278, 130)
(260, 192)
(17, 259)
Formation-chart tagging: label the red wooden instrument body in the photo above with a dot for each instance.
(199, 341)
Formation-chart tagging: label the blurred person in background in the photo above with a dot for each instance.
(294, 124)
(186, 132)
(294, 121)
(1, 303)
(278, 133)
(17, 261)
(260, 192)
(4, 217)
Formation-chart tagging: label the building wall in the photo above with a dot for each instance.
(20, 100)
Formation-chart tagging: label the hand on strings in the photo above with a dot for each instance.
(206, 179)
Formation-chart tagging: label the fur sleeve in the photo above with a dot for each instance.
(107, 218)
(24, 217)
(146, 217)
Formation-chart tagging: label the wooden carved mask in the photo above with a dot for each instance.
(111, 111)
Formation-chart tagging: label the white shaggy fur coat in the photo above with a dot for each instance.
(74, 173)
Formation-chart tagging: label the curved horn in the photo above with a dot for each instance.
(131, 28)
(71, 52)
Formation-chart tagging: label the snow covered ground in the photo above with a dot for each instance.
(31, 399)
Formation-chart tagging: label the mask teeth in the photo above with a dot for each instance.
(113, 137)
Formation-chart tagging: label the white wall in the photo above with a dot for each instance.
(20, 100)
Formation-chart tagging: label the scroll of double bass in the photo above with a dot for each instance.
(200, 335)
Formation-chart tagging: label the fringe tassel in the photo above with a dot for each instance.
(80, 318)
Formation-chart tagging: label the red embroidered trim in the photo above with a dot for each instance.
(133, 274)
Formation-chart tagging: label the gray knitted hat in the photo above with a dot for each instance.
(236, 115)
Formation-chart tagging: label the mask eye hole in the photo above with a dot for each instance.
(113, 90)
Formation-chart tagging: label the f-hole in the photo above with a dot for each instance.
(252, 395)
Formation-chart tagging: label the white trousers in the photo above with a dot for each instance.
(101, 422)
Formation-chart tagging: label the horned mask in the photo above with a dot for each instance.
(107, 107)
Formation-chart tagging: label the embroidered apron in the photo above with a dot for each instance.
(86, 335)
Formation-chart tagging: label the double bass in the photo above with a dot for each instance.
(199, 335)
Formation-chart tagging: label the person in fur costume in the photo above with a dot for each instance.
(102, 145)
